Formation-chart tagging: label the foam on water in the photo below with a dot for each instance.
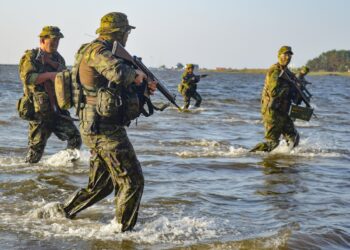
(211, 151)
(63, 158)
(50, 210)
(47, 220)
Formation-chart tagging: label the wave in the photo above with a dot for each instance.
(231, 151)
(48, 220)
(307, 147)
(70, 160)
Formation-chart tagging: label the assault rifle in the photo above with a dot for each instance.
(303, 84)
(120, 52)
(303, 113)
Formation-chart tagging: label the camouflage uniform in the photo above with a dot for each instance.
(113, 163)
(48, 118)
(276, 99)
(188, 88)
(302, 73)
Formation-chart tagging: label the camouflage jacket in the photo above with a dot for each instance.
(31, 65)
(99, 66)
(95, 66)
(278, 91)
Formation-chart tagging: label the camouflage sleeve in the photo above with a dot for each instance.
(27, 69)
(114, 69)
(273, 80)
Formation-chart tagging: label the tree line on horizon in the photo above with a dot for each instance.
(332, 61)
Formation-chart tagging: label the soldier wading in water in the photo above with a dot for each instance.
(113, 162)
(277, 96)
(38, 69)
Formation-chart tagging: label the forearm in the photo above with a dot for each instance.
(47, 76)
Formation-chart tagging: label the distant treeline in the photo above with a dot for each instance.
(331, 61)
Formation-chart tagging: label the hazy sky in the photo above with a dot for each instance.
(220, 33)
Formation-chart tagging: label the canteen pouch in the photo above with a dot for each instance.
(25, 108)
(108, 102)
(63, 89)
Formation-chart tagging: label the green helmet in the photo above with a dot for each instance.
(51, 32)
(305, 69)
(285, 49)
(113, 22)
(190, 65)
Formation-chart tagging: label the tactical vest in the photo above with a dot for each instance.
(39, 100)
(100, 102)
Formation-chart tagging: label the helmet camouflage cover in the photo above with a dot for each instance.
(113, 22)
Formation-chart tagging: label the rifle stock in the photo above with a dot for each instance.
(137, 63)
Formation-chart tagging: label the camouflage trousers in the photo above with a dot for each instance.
(277, 124)
(192, 94)
(113, 167)
(41, 130)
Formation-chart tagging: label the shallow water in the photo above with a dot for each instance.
(203, 189)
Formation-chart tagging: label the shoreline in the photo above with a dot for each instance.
(244, 71)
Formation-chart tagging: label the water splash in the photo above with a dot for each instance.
(63, 158)
(50, 210)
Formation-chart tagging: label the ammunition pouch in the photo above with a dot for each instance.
(25, 107)
(299, 112)
(108, 102)
(63, 89)
(42, 104)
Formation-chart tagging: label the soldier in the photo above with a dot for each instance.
(38, 68)
(275, 104)
(113, 162)
(188, 86)
(302, 73)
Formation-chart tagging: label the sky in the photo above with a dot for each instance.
(220, 33)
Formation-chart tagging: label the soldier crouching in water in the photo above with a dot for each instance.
(38, 69)
(276, 99)
(113, 162)
(188, 87)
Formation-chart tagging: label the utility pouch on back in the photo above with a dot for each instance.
(63, 89)
(299, 112)
(108, 102)
(25, 108)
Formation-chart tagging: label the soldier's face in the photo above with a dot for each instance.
(190, 70)
(49, 45)
(284, 59)
(125, 37)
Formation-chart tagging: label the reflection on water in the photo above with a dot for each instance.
(204, 189)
